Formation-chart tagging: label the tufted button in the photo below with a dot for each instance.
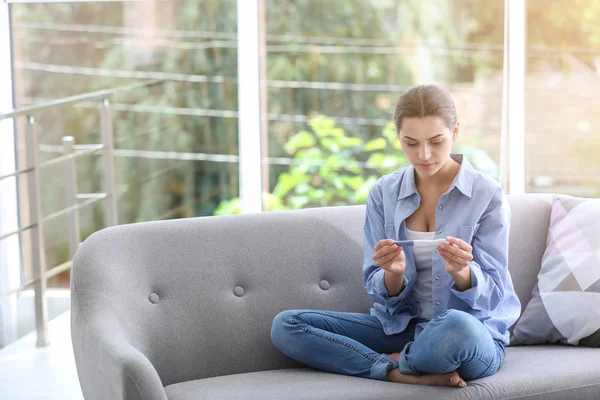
(324, 284)
(440, 230)
(153, 297)
(238, 291)
(437, 303)
(440, 207)
(437, 277)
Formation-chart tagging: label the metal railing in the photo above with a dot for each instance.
(74, 200)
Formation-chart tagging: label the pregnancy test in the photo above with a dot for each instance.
(420, 243)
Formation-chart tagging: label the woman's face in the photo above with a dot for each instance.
(427, 143)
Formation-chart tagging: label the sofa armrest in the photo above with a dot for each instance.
(109, 367)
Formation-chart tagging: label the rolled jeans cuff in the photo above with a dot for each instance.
(403, 362)
(381, 367)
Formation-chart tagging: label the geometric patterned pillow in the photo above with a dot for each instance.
(565, 304)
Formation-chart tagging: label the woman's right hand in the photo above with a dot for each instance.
(390, 257)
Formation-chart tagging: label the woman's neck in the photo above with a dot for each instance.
(444, 176)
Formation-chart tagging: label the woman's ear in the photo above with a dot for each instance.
(455, 131)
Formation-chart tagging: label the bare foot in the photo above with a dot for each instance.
(450, 379)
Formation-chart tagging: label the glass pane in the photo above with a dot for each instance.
(152, 189)
(10, 279)
(58, 294)
(336, 71)
(17, 317)
(173, 65)
(562, 94)
(17, 311)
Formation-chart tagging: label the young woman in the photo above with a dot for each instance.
(441, 312)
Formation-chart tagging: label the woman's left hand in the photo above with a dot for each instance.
(458, 254)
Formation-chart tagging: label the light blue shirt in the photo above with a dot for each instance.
(473, 209)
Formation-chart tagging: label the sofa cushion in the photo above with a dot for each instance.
(549, 372)
(565, 304)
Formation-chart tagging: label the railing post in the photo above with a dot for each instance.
(38, 256)
(110, 208)
(71, 194)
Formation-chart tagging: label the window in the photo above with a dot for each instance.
(563, 91)
(335, 72)
(174, 115)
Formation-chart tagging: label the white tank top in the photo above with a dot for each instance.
(422, 291)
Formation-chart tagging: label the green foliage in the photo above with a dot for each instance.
(327, 169)
(332, 164)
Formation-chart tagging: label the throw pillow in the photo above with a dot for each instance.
(565, 304)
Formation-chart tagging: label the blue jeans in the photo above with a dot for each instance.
(355, 344)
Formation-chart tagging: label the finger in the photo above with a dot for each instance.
(392, 255)
(452, 267)
(457, 251)
(384, 251)
(460, 243)
(388, 258)
(451, 258)
(382, 243)
(446, 257)
(401, 255)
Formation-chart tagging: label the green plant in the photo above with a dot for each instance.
(329, 168)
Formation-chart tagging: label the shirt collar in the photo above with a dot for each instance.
(463, 180)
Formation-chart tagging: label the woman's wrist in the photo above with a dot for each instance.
(394, 282)
(462, 278)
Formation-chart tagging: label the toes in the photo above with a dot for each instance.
(456, 380)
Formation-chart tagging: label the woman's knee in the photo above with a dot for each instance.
(281, 326)
(461, 324)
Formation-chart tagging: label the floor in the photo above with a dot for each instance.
(45, 373)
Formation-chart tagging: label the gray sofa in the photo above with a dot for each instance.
(182, 309)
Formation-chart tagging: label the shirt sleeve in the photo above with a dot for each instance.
(373, 275)
(489, 268)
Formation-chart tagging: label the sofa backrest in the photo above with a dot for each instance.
(528, 234)
(197, 296)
